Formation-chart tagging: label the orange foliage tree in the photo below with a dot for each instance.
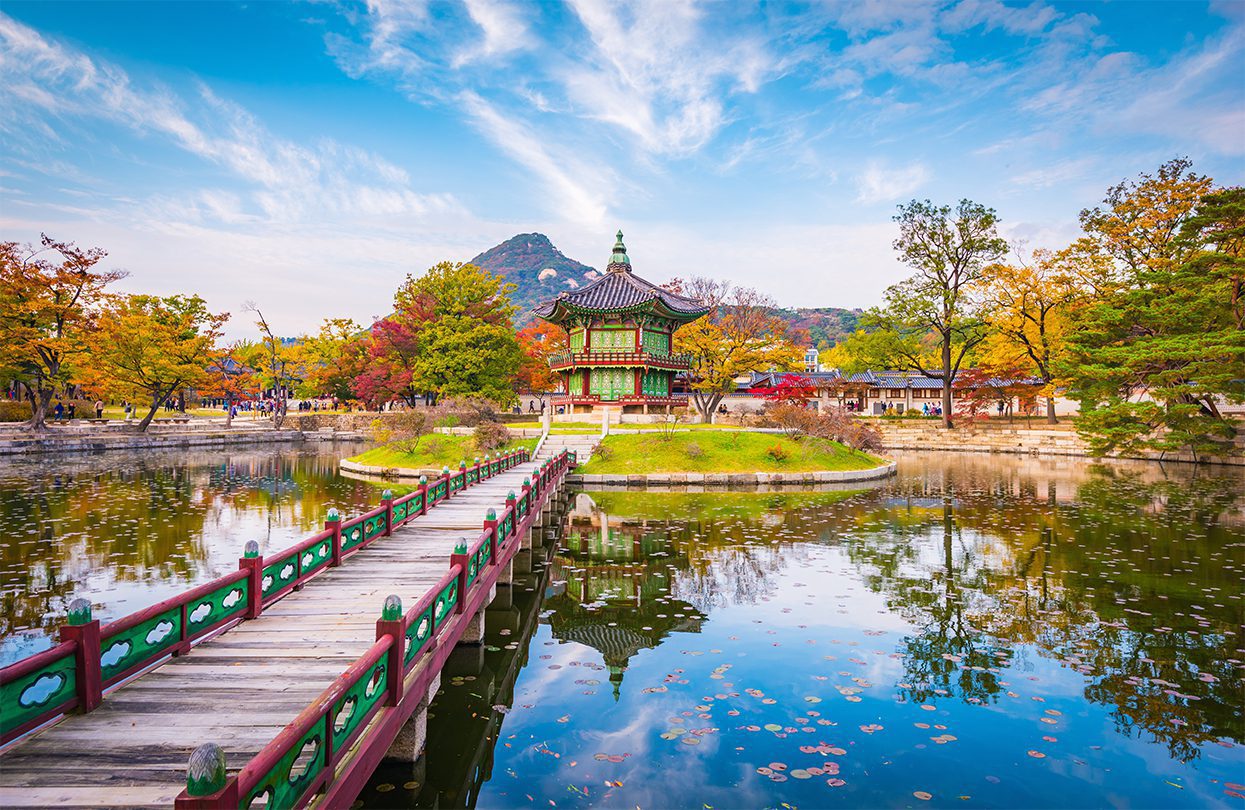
(539, 340)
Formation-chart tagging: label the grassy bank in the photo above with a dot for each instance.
(432, 452)
(721, 451)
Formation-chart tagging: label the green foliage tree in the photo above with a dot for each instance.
(458, 339)
(147, 346)
(931, 320)
(1157, 351)
(331, 359)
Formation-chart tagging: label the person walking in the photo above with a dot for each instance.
(59, 410)
(99, 409)
(73, 406)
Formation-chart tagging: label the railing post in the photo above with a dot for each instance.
(334, 522)
(462, 470)
(390, 624)
(477, 469)
(490, 526)
(84, 630)
(445, 476)
(459, 558)
(386, 500)
(253, 564)
(423, 492)
(208, 786)
(527, 497)
(512, 503)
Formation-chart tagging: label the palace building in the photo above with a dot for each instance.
(620, 328)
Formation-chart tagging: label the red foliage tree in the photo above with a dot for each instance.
(792, 389)
(538, 341)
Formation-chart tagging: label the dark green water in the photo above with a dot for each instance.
(981, 631)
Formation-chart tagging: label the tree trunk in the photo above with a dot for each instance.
(39, 401)
(156, 399)
(1050, 411)
(946, 381)
(278, 407)
(228, 413)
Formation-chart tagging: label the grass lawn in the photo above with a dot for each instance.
(432, 453)
(722, 452)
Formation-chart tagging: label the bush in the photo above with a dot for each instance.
(602, 451)
(469, 411)
(693, 450)
(777, 453)
(15, 411)
(434, 446)
(832, 423)
(491, 436)
(403, 429)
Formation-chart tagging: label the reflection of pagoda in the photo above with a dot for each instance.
(616, 571)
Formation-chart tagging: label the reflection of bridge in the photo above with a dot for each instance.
(297, 692)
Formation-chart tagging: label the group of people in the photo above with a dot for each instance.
(60, 411)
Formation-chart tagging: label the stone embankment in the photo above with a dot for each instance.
(118, 436)
(1017, 438)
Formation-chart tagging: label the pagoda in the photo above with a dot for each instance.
(620, 328)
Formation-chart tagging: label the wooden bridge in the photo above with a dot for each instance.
(275, 685)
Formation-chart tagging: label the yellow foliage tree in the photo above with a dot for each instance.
(739, 335)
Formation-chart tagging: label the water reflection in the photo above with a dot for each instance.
(128, 529)
(1068, 633)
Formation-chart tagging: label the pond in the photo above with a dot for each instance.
(126, 530)
(980, 631)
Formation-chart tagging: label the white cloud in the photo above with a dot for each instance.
(503, 27)
(880, 183)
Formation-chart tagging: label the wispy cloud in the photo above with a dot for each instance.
(880, 183)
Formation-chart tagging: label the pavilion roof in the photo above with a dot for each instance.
(620, 290)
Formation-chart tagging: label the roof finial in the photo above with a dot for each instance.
(619, 263)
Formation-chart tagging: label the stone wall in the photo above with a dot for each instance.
(1001, 437)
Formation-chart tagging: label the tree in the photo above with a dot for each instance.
(791, 389)
(1029, 306)
(1154, 354)
(332, 359)
(949, 249)
(47, 306)
(451, 335)
(275, 362)
(739, 335)
(229, 378)
(539, 340)
(151, 346)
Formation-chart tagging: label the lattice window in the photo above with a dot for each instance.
(654, 383)
(613, 339)
(656, 342)
(577, 340)
(612, 383)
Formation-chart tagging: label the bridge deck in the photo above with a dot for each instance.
(240, 688)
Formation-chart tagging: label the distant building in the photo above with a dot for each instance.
(812, 360)
(620, 328)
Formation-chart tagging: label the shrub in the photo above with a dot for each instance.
(832, 423)
(470, 411)
(490, 436)
(435, 445)
(602, 451)
(777, 453)
(12, 411)
(694, 450)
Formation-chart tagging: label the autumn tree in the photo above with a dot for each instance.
(949, 248)
(49, 296)
(740, 334)
(149, 347)
(1157, 351)
(276, 364)
(539, 340)
(229, 377)
(332, 359)
(1029, 308)
(451, 335)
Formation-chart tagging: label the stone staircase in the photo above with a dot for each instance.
(581, 445)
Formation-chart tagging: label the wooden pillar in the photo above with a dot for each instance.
(84, 630)
(386, 500)
(334, 522)
(390, 624)
(254, 565)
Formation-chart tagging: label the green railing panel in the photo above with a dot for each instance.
(447, 599)
(374, 526)
(289, 779)
(352, 708)
(522, 505)
(400, 511)
(218, 605)
(317, 556)
(352, 537)
(437, 490)
(419, 632)
(416, 503)
(277, 575)
(129, 647)
(34, 694)
(507, 525)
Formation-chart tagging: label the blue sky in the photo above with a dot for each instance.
(306, 156)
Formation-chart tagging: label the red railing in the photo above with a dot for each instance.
(618, 357)
(91, 658)
(335, 742)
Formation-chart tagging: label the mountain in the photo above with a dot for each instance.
(540, 271)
